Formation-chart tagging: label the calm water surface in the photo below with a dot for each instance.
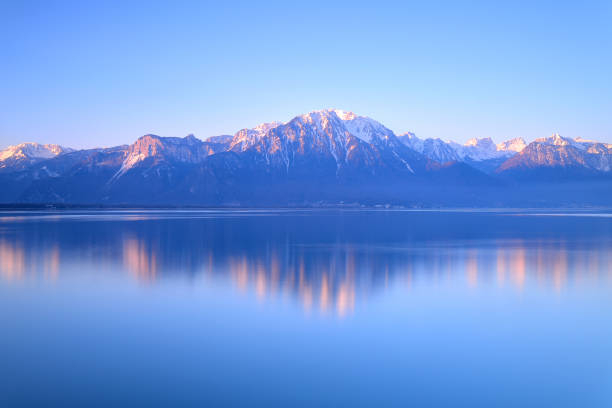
(305, 308)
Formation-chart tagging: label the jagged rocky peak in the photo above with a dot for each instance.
(151, 144)
(33, 151)
(473, 150)
(20, 156)
(327, 140)
(147, 145)
(327, 113)
(599, 148)
(588, 143)
(262, 128)
(434, 149)
(245, 138)
(188, 149)
(556, 140)
(513, 145)
(316, 131)
(409, 135)
(413, 141)
(320, 120)
(362, 127)
(485, 142)
(367, 129)
(559, 151)
(191, 139)
(344, 115)
(481, 149)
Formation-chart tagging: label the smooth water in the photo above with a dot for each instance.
(305, 308)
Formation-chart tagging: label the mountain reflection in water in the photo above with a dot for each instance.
(326, 261)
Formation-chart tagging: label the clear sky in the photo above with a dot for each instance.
(98, 73)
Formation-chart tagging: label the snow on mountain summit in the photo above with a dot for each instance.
(473, 150)
(245, 138)
(512, 145)
(434, 149)
(364, 128)
(24, 154)
(557, 140)
(343, 115)
(32, 150)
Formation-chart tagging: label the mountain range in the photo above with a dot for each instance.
(327, 157)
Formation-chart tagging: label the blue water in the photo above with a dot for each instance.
(305, 308)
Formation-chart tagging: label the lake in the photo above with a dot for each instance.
(305, 308)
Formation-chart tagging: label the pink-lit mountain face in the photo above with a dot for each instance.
(322, 156)
(25, 154)
(560, 152)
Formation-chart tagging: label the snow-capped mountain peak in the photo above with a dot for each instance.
(245, 138)
(320, 119)
(557, 140)
(472, 150)
(17, 156)
(364, 128)
(411, 140)
(262, 128)
(484, 143)
(479, 149)
(472, 142)
(434, 149)
(513, 145)
(343, 115)
(33, 151)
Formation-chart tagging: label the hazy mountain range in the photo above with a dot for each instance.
(326, 157)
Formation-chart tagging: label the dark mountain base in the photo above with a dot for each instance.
(412, 195)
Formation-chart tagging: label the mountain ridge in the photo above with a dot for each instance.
(328, 155)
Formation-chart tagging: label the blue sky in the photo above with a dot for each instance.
(87, 74)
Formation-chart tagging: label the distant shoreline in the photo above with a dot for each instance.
(59, 206)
